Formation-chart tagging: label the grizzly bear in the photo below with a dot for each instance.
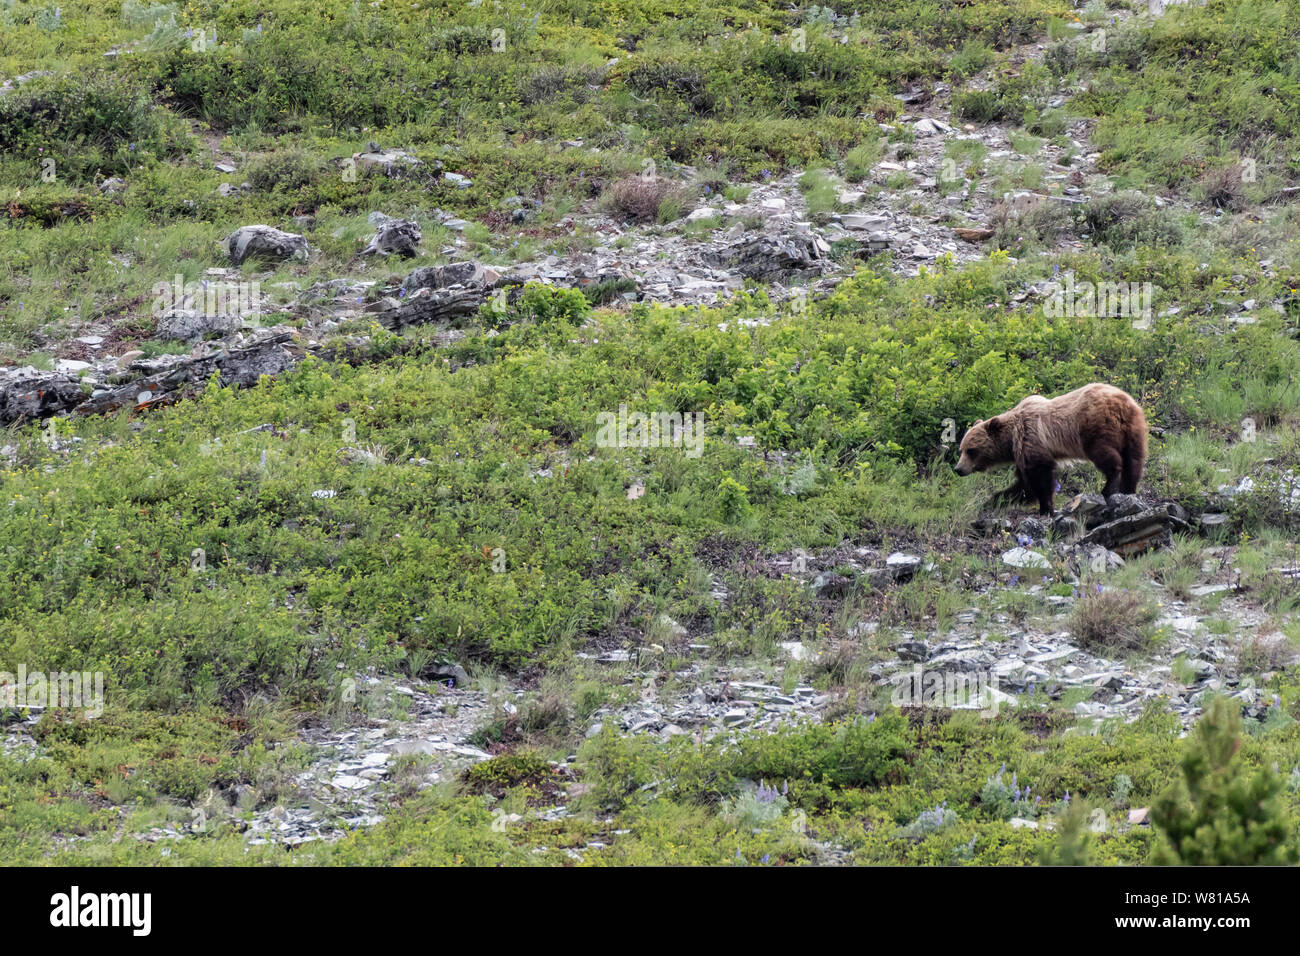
(1097, 423)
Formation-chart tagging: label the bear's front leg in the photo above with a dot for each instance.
(1016, 493)
(1040, 478)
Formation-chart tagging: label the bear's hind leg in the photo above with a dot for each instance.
(1111, 464)
(1132, 470)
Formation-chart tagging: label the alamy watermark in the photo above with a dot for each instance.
(947, 689)
(77, 909)
(71, 690)
(1089, 299)
(223, 297)
(626, 429)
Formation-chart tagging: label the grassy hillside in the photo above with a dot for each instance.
(239, 563)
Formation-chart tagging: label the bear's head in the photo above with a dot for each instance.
(986, 445)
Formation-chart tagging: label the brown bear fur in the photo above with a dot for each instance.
(1097, 423)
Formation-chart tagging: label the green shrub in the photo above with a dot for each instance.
(733, 499)
(969, 60)
(1074, 837)
(652, 77)
(1220, 814)
(615, 766)
(90, 125)
(287, 169)
(505, 771)
(1130, 218)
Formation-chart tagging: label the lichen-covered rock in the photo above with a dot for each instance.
(393, 163)
(263, 241)
(395, 237)
(436, 305)
(440, 277)
(37, 396)
(1148, 529)
(766, 257)
(190, 325)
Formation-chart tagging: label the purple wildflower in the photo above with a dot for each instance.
(766, 794)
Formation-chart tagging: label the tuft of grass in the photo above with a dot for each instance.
(1112, 622)
(861, 159)
(820, 190)
(646, 199)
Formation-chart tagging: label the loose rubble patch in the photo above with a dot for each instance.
(733, 698)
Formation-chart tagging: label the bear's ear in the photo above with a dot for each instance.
(993, 426)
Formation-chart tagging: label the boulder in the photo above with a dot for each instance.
(1092, 558)
(36, 396)
(769, 257)
(446, 671)
(393, 163)
(902, 567)
(190, 325)
(1085, 507)
(440, 277)
(1121, 506)
(1137, 532)
(1212, 521)
(263, 241)
(832, 585)
(395, 237)
(435, 305)
(991, 525)
(1024, 558)
(913, 651)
